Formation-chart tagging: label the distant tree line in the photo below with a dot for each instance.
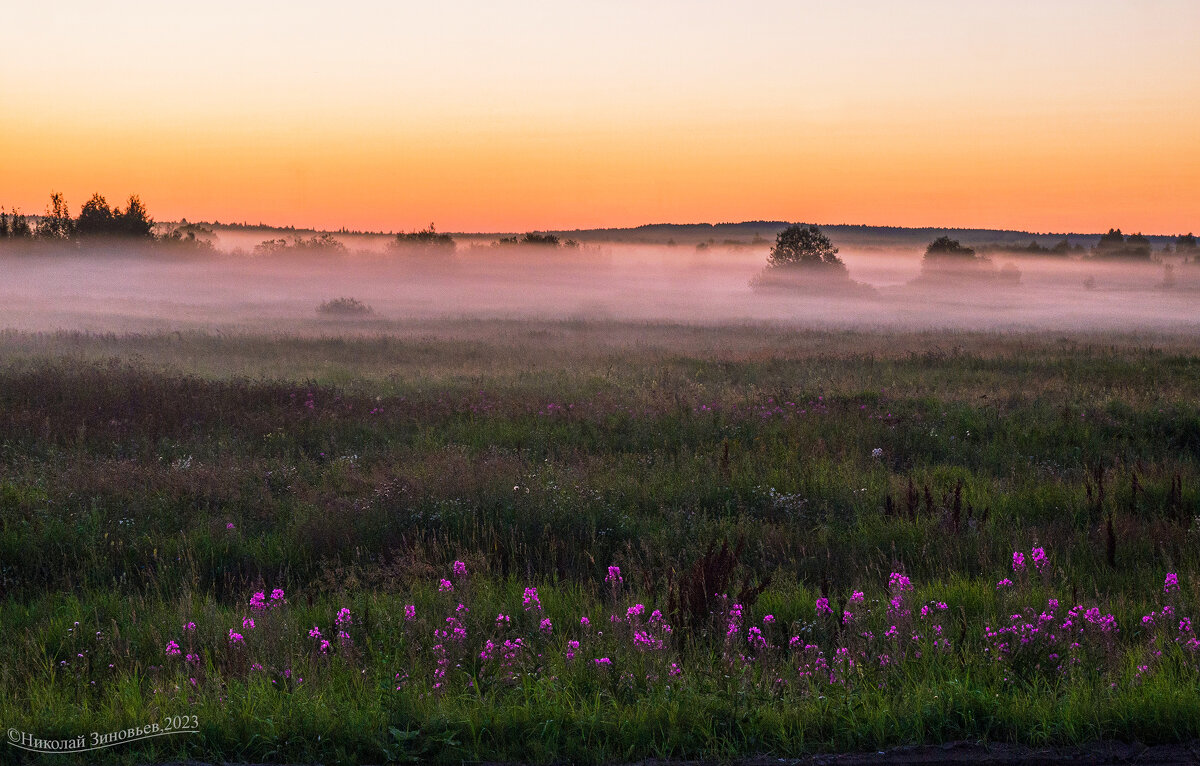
(96, 219)
(1113, 245)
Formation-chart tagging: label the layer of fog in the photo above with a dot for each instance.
(237, 291)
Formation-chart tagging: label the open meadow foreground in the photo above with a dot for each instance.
(595, 542)
(670, 383)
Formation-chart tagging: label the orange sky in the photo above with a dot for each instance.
(514, 116)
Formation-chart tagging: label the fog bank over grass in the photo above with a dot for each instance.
(640, 283)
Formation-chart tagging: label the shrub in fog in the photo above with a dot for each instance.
(424, 242)
(317, 244)
(345, 307)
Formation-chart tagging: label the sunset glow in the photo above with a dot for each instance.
(502, 117)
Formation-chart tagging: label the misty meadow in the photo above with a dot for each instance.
(407, 498)
(602, 383)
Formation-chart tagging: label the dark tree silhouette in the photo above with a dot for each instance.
(19, 227)
(96, 219)
(1185, 242)
(135, 221)
(57, 223)
(803, 246)
(945, 247)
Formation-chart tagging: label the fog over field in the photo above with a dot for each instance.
(144, 292)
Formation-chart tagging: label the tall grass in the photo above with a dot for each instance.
(137, 496)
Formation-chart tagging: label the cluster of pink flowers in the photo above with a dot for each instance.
(884, 639)
(259, 603)
(1171, 583)
(531, 600)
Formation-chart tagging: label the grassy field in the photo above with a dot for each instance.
(524, 541)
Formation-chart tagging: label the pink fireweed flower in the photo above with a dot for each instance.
(445, 586)
(634, 611)
(546, 626)
(823, 606)
(768, 619)
(324, 646)
(572, 647)
(898, 583)
(248, 623)
(229, 525)
(489, 648)
(502, 620)
(343, 618)
(1039, 558)
(857, 597)
(258, 601)
(344, 638)
(1171, 583)
(172, 649)
(460, 569)
(315, 632)
(735, 621)
(410, 612)
(614, 576)
(603, 662)
(1005, 583)
(277, 594)
(584, 622)
(235, 638)
(531, 600)
(192, 659)
(189, 627)
(755, 638)
(1018, 561)
(675, 670)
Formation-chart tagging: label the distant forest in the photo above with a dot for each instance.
(97, 221)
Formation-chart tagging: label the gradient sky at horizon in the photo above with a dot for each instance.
(1047, 116)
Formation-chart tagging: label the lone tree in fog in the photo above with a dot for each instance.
(945, 247)
(803, 246)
